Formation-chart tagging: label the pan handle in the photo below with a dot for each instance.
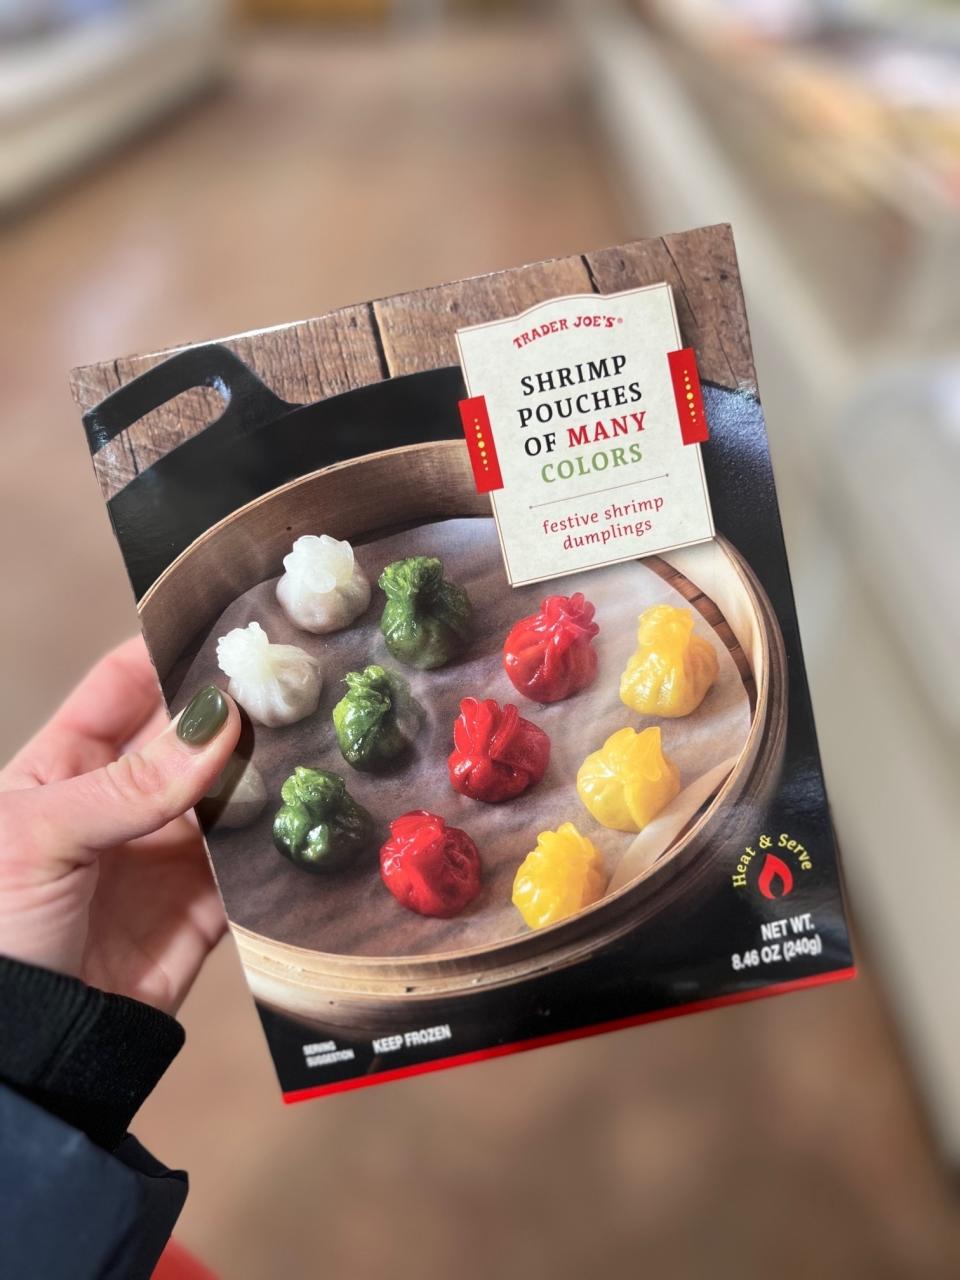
(249, 402)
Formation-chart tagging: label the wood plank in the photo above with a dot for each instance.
(702, 268)
(410, 332)
(115, 465)
(417, 329)
(300, 362)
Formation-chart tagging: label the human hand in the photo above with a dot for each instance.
(103, 874)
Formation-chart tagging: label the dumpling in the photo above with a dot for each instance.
(276, 684)
(377, 719)
(497, 754)
(427, 621)
(323, 588)
(672, 667)
(561, 876)
(237, 798)
(319, 826)
(629, 780)
(430, 868)
(550, 655)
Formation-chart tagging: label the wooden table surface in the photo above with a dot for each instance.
(357, 345)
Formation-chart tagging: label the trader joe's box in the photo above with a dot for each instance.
(496, 575)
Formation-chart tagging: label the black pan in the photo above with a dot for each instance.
(257, 443)
(261, 441)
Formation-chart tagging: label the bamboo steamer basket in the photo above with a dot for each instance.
(409, 486)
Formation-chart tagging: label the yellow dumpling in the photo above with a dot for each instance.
(562, 875)
(672, 668)
(629, 780)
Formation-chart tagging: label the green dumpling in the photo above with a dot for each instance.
(377, 719)
(427, 621)
(320, 827)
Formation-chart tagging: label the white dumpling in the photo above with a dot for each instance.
(276, 684)
(238, 796)
(323, 588)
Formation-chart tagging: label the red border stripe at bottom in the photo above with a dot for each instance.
(560, 1037)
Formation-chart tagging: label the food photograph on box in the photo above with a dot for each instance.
(527, 750)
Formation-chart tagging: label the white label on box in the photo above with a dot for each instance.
(584, 424)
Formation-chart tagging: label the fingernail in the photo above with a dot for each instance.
(204, 717)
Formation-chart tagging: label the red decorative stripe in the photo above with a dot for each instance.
(480, 443)
(686, 388)
(540, 1042)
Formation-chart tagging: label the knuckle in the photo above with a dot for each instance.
(26, 769)
(135, 779)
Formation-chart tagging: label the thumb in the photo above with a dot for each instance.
(145, 789)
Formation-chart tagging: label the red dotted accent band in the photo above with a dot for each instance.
(686, 388)
(480, 444)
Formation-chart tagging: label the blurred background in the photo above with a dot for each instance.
(176, 170)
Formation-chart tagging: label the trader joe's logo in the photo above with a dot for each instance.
(583, 422)
(772, 866)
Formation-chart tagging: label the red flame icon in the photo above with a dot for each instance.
(776, 878)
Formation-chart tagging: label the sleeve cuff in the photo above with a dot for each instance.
(86, 1056)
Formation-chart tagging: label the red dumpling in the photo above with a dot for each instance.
(497, 753)
(429, 867)
(550, 655)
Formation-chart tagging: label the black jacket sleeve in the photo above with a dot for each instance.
(78, 1198)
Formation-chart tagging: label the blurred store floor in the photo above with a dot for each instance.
(776, 1138)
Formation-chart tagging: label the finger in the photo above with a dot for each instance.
(149, 730)
(162, 888)
(188, 950)
(99, 717)
(143, 790)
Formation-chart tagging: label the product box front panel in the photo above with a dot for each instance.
(495, 572)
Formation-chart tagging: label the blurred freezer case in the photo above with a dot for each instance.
(78, 78)
(320, 10)
(847, 136)
(402, 11)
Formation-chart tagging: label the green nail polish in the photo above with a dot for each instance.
(204, 717)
